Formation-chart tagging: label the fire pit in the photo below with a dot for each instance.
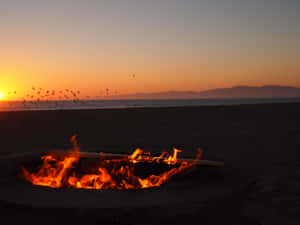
(76, 170)
(72, 179)
(79, 187)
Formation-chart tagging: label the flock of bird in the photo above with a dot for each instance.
(38, 96)
(57, 98)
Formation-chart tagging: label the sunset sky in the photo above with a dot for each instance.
(168, 44)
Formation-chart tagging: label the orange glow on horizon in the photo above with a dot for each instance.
(108, 81)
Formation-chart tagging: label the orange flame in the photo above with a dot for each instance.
(57, 171)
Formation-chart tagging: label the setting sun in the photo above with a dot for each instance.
(1, 96)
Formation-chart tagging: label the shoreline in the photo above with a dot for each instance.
(137, 103)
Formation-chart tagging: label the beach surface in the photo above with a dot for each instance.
(259, 144)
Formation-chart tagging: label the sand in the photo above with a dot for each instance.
(259, 145)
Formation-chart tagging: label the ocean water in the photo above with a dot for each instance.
(111, 104)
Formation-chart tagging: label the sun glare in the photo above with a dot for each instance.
(1, 96)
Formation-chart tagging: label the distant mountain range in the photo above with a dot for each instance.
(267, 91)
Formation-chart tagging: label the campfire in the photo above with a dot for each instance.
(139, 170)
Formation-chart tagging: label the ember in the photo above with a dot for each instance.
(68, 170)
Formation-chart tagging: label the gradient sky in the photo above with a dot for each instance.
(168, 45)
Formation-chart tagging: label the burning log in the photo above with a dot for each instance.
(79, 170)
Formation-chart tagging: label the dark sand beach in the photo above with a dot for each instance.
(259, 144)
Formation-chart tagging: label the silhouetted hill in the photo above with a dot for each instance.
(267, 91)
